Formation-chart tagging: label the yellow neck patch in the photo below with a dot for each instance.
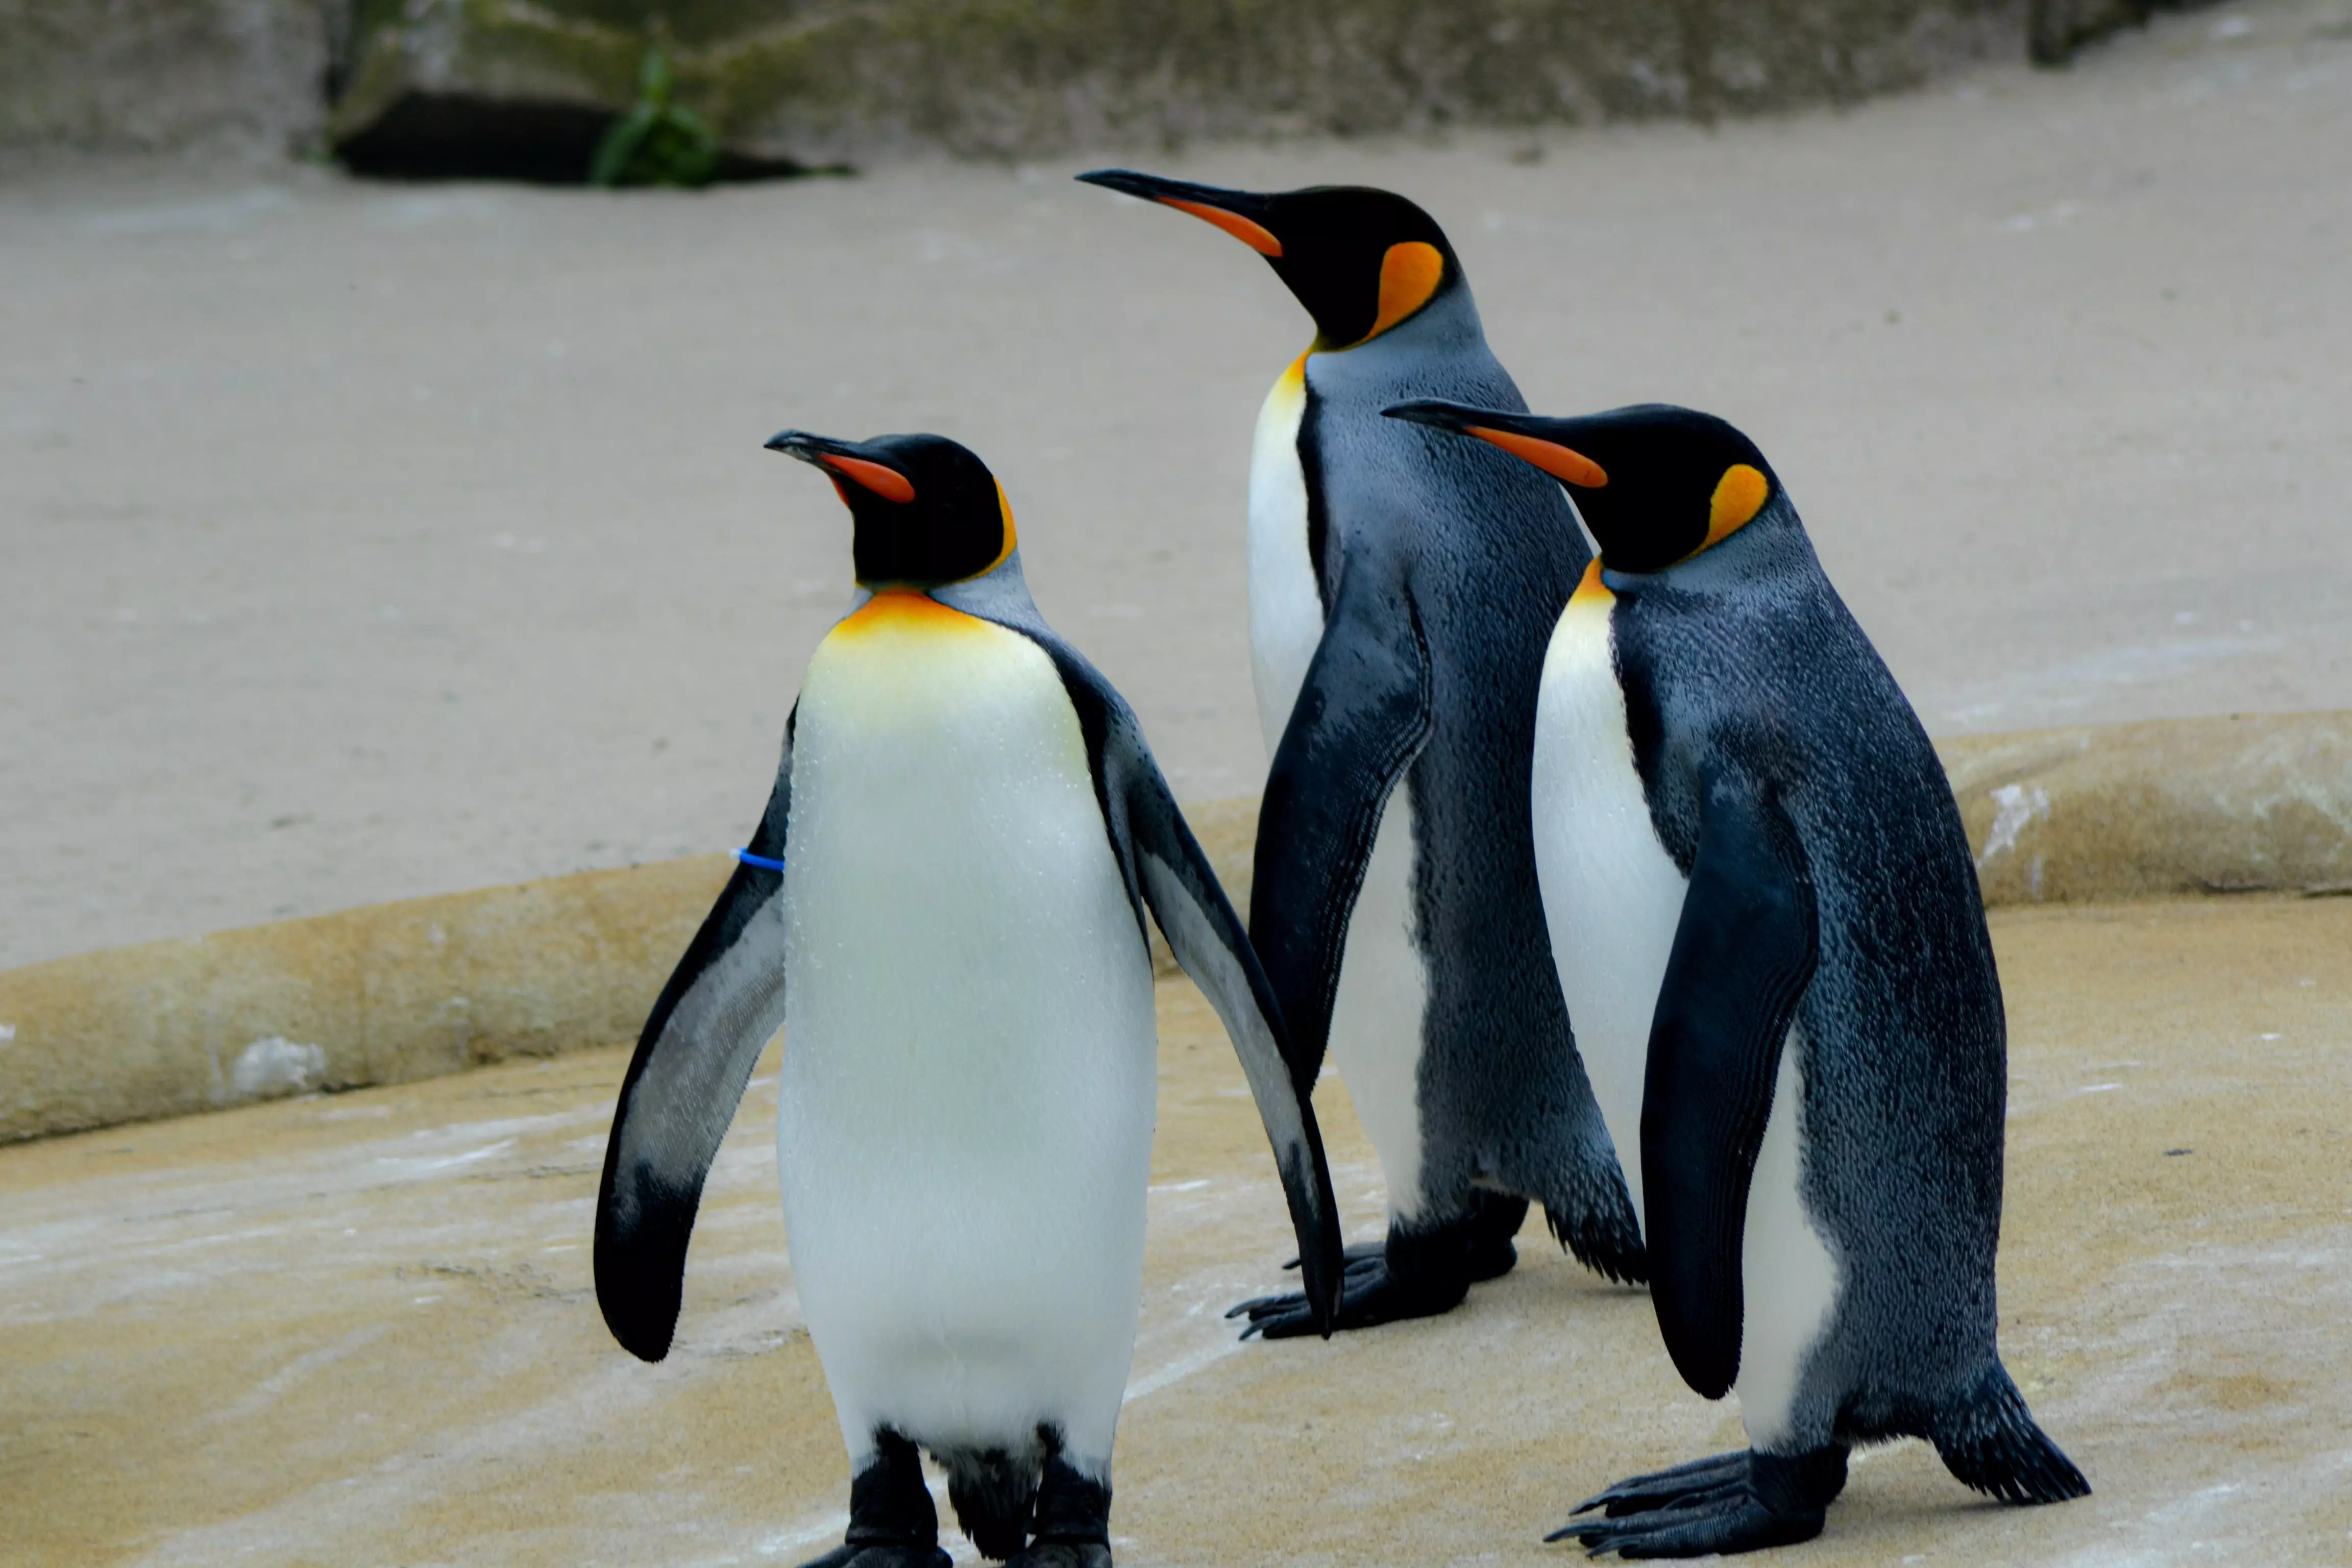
(1590, 590)
(901, 610)
(1739, 495)
(1409, 274)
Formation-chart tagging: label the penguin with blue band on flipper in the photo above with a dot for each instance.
(1402, 586)
(943, 908)
(1768, 931)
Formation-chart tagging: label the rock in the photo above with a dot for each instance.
(160, 73)
(824, 80)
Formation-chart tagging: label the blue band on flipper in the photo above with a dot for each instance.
(762, 861)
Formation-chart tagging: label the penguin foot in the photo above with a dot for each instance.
(1732, 1502)
(848, 1555)
(1073, 1522)
(1662, 1488)
(1371, 1294)
(1413, 1274)
(1494, 1221)
(892, 1520)
(1061, 1554)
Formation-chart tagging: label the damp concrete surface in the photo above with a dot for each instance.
(361, 1328)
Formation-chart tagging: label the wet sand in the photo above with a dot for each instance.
(359, 1329)
(363, 541)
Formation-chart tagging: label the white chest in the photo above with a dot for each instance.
(964, 1131)
(1612, 895)
(1285, 609)
(1613, 899)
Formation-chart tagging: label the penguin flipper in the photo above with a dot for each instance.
(1363, 712)
(1207, 937)
(1742, 957)
(721, 1007)
(1167, 870)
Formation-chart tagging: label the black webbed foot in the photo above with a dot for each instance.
(847, 1556)
(1662, 1488)
(1413, 1274)
(892, 1522)
(1733, 1502)
(1371, 1294)
(1072, 1528)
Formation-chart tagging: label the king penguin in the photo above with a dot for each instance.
(943, 907)
(1401, 589)
(1767, 927)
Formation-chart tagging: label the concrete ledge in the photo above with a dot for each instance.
(381, 994)
(2252, 803)
(432, 986)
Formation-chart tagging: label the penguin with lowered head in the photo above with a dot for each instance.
(1401, 585)
(1768, 931)
(943, 908)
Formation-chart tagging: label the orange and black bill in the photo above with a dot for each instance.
(1244, 214)
(1527, 436)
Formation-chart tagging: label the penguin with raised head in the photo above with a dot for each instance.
(1402, 586)
(943, 908)
(1768, 931)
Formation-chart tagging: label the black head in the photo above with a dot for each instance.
(1656, 484)
(1359, 259)
(928, 512)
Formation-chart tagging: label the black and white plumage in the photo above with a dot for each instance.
(971, 828)
(1767, 927)
(1401, 585)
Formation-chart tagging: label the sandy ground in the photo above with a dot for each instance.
(362, 542)
(360, 1330)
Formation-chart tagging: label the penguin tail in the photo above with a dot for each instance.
(1601, 1233)
(993, 1491)
(1990, 1442)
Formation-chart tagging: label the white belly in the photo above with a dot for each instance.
(1611, 894)
(1375, 1018)
(1612, 898)
(1786, 1277)
(964, 1137)
(1285, 609)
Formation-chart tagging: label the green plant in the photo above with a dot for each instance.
(655, 141)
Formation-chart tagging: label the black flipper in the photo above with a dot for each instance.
(705, 1034)
(1363, 714)
(1166, 869)
(1742, 957)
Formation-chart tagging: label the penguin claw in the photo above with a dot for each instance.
(1369, 1295)
(1732, 1502)
(1731, 1520)
(1664, 1489)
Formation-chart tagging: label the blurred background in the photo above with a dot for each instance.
(382, 509)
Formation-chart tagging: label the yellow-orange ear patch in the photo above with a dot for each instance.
(1739, 495)
(1005, 510)
(1257, 236)
(1560, 462)
(1409, 274)
(888, 483)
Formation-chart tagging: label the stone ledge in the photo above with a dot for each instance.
(410, 990)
